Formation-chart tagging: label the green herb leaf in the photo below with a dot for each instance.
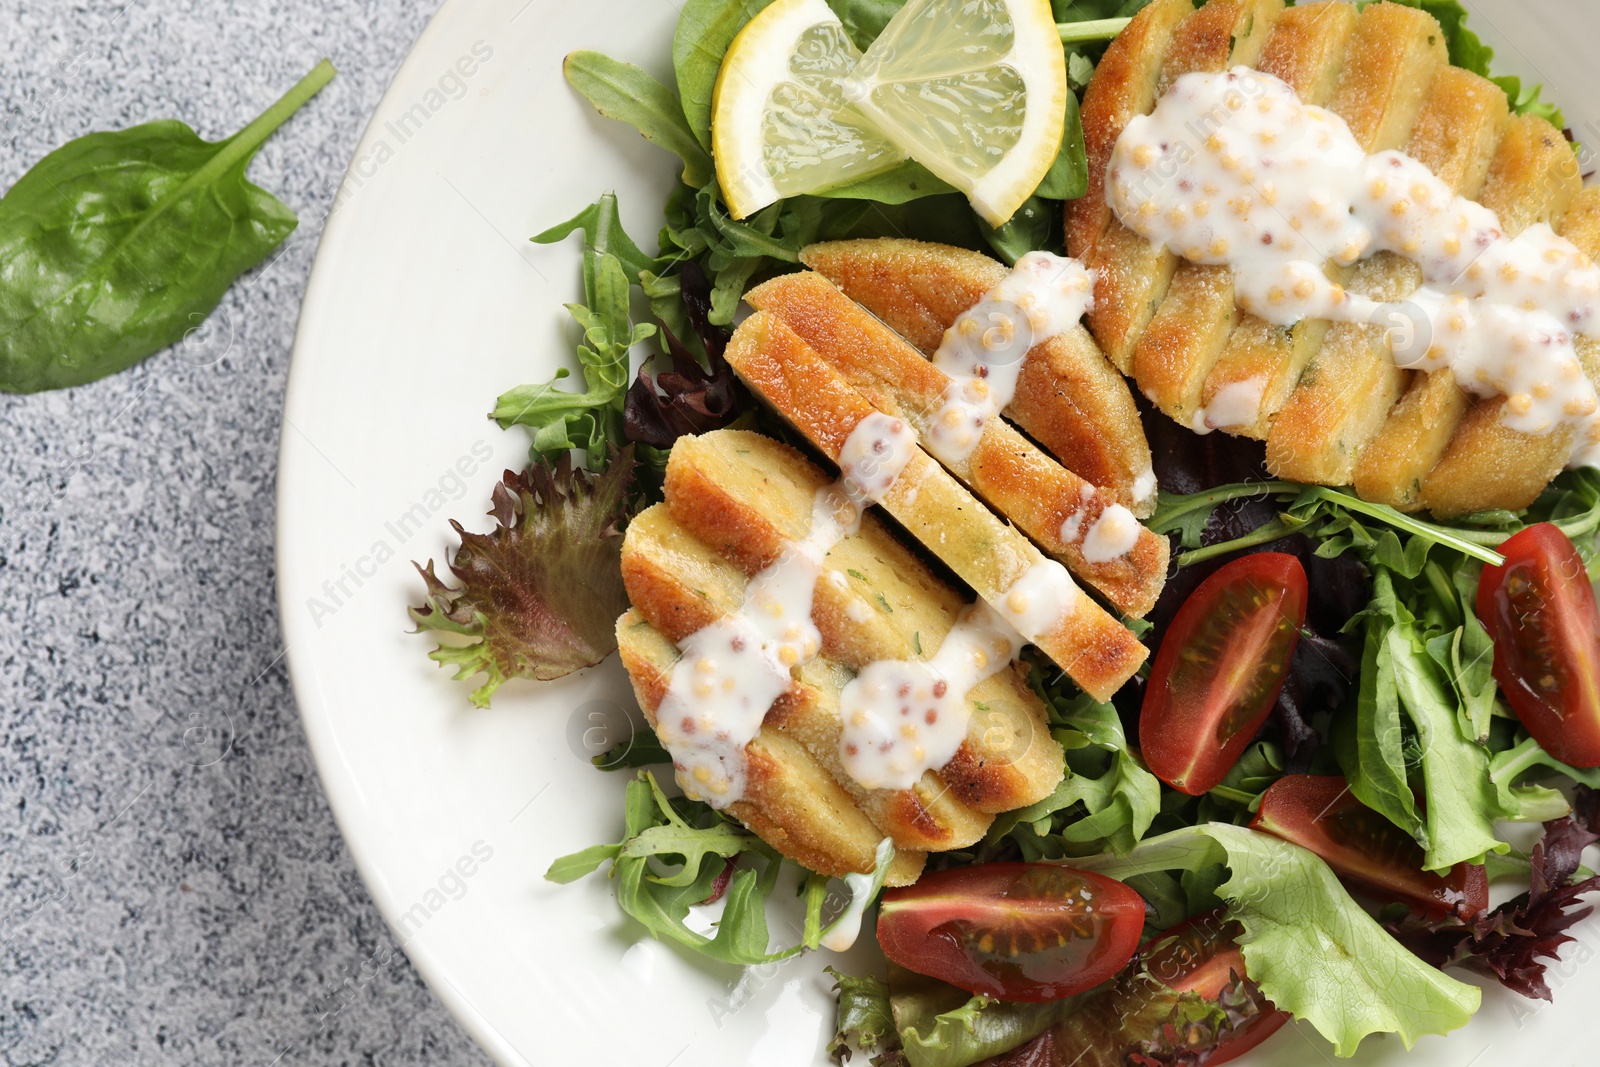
(1068, 177)
(119, 244)
(941, 1026)
(670, 859)
(626, 93)
(865, 19)
(1313, 951)
(590, 420)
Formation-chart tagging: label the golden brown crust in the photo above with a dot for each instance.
(895, 609)
(1124, 85)
(1069, 398)
(1093, 648)
(1306, 46)
(790, 801)
(1134, 274)
(1486, 465)
(1006, 469)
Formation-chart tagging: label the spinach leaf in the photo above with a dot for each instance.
(864, 19)
(1068, 177)
(705, 30)
(119, 244)
(626, 93)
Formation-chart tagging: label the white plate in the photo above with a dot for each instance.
(427, 301)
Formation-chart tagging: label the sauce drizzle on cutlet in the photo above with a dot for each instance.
(1233, 169)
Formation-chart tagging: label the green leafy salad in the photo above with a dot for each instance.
(1433, 682)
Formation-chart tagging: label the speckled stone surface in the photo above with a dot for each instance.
(173, 888)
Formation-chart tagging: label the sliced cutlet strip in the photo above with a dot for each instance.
(680, 584)
(1259, 356)
(1049, 503)
(1134, 273)
(1124, 85)
(790, 800)
(1486, 465)
(877, 601)
(1069, 398)
(1180, 362)
(1096, 651)
(1460, 136)
(1351, 382)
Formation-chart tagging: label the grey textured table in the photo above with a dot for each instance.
(172, 886)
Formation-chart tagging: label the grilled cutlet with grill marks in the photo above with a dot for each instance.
(1135, 274)
(1486, 465)
(748, 496)
(1006, 469)
(1069, 397)
(790, 800)
(736, 501)
(1096, 651)
(1334, 408)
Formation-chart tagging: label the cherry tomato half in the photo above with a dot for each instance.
(1018, 931)
(1540, 609)
(1219, 669)
(1202, 956)
(1109, 1027)
(1321, 814)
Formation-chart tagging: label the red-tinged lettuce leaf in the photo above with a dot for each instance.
(1511, 942)
(539, 596)
(664, 404)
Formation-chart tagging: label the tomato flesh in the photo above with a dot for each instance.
(1108, 1027)
(1540, 609)
(1218, 672)
(1321, 814)
(1202, 956)
(1017, 931)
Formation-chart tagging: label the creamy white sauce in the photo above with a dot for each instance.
(1113, 534)
(1236, 404)
(731, 671)
(844, 930)
(1233, 169)
(983, 351)
(903, 718)
(1145, 487)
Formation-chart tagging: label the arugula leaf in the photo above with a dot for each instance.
(661, 834)
(540, 595)
(626, 93)
(1313, 951)
(593, 419)
(705, 30)
(118, 244)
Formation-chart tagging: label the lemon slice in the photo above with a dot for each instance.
(780, 123)
(974, 90)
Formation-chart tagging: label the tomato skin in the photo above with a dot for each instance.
(1201, 956)
(1017, 931)
(1540, 609)
(1321, 814)
(1218, 672)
